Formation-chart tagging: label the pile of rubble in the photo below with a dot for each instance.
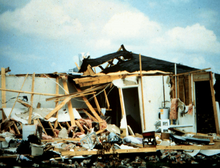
(103, 149)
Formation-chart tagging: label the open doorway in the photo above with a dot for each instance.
(131, 104)
(204, 109)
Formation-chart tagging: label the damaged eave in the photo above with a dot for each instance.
(102, 78)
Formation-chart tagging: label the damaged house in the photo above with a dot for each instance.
(125, 93)
(145, 93)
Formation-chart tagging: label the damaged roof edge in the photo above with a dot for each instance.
(132, 63)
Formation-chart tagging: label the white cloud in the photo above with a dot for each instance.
(44, 18)
(195, 38)
(131, 25)
(106, 24)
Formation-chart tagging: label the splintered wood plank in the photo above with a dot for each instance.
(130, 130)
(135, 150)
(121, 102)
(56, 103)
(26, 92)
(24, 103)
(60, 125)
(32, 98)
(17, 96)
(90, 116)
(90, 106)
(142, 92)
(54, 133)
(3, 85)
(201, 77)
(41, 126)
(73, 95)
(69, 103)
(89, 81)
(16, 128)
(192, 72)
(77, 66)
(68, 125)
(57, 108)
(80, 127)
(190, 89)
(106, 98)
(97, 104)
(178, 86)
(214, 104)
(3, 114)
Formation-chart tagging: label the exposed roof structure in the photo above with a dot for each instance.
(130, 62)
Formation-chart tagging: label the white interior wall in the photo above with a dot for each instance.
(153, 98)
(41, 85)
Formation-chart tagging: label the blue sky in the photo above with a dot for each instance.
(46, 36)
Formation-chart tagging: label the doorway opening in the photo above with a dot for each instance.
(204, 109)
(131, 104)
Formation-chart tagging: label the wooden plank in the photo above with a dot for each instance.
(54, 133)
(26, 92)
(6, 70)
(204, 137)
(16, 128)
(77, 66)
(130, 130)
(24, 103)
(79, 94)
(72, 95)
(188, 147)
(173, 87)
(190, 89)
(135, 150)
(3, 114)
(60, 125)
(3, 85)
(90, 107)
(56, 103)
(68, 125)
(184, 90)
(57, 108)
(142, 92)
(97, 104)
(41, 126)
(69, 103)
(106, 99)
(214, 104)
(192, 72)
(90, 70)
(17, 96)
(38, 105)
(178, 86)
(89, 81)
(80, 127)
(89, 115)
(32, 98)
(121, 102)
(201, 77)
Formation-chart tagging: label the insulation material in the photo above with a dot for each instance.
(173, 109)
(190, 109)
(125, 82)
(22, 114)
